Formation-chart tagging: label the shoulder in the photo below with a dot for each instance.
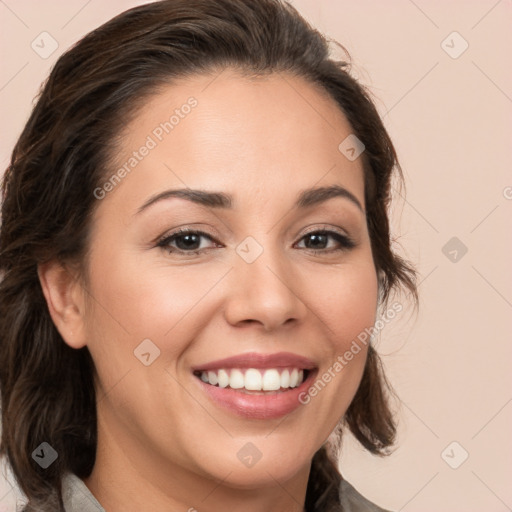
(352, 501)
(77, 497)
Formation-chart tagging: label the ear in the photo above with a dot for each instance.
(65, 300)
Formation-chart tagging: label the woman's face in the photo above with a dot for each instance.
(258, 289)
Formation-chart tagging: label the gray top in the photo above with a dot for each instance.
(78, 498)
(352, 501)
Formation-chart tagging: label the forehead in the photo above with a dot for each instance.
(226, 131)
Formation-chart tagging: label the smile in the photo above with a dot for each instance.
(257, 386)
(255, 379)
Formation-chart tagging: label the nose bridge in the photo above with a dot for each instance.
(264, 287)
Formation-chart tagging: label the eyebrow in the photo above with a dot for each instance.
(306, 198)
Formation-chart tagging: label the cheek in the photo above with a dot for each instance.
(149, 300)
(348, 304)
(348, 312)
(133, 303)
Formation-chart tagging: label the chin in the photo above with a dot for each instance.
(251, 468)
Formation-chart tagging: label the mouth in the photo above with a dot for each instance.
(257, 386)
(254, 380)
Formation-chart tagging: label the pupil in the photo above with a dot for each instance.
(189, 241)
(317, 237)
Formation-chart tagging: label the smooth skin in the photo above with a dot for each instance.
(163, 444)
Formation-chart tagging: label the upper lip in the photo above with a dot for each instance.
(258, 360)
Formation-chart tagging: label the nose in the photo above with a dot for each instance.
(265, 292)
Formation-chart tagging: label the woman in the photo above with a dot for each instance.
(194, 248)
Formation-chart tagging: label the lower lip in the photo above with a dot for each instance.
(264, 406)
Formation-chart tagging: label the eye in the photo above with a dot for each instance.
(320, 240)
(186, 241)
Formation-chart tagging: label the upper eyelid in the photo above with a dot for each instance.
(326, 227)
(203, 232)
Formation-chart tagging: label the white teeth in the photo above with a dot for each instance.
(223, 378)
(271, 380)
(285, 379)
(236, 379)
(212, 378)
(251, 379)
(294, 377)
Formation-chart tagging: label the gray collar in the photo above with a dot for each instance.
(352, 501)
(77, 497)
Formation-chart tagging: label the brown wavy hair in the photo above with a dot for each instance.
(64, 153)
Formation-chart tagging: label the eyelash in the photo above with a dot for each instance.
(346, 242)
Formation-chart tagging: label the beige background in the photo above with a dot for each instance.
(450, 119)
